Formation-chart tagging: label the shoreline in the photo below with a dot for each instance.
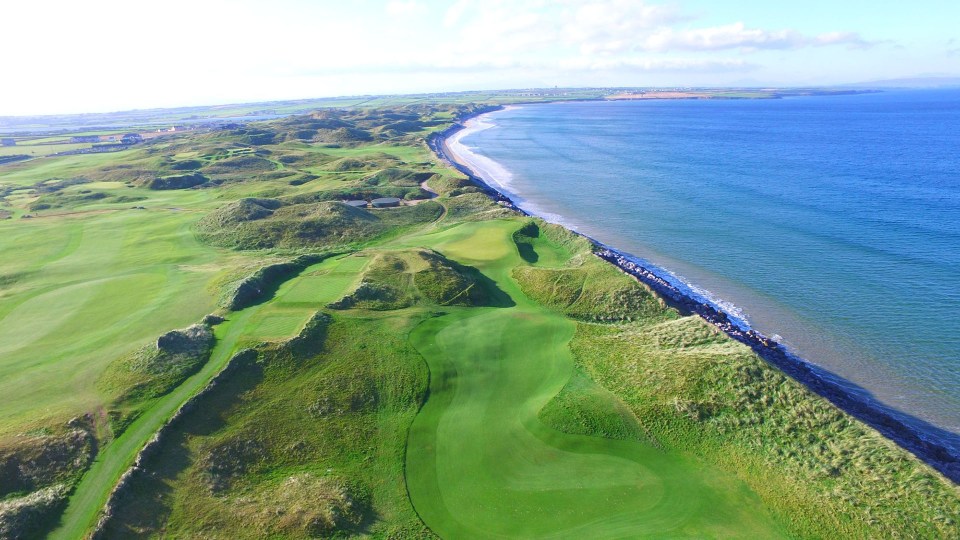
(920, 439)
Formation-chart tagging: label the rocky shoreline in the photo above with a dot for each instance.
(920, 443)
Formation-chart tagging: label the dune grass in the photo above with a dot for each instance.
(814, 467)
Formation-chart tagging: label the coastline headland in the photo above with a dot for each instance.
(926, 441)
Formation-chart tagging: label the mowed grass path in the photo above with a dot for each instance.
(313, 288)
(480, 463)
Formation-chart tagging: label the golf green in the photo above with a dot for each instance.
(481, 464)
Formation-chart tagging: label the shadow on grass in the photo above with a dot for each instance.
(494, 295)
(143, 510)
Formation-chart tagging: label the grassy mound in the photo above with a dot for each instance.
(38, 460)
(452, 184)
(395, 280)
(387, 284)
(304, 159)
(569, 279)
(252, 225)
(368, 162)
(592, 291)
(154, 370)
(56, 184)
(583, 407)
(241, 211)
(292, 226)
(474, 206)
(139, 174)
(257, 136)
(37, 472)
(398, 177)
(359, 192)
(186, 165)
(178, 181)
(246, 164)
(64, 200)
(448, 283)
(342, 135)
(303, 505)
(30, 516)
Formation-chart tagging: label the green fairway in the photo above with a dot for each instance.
(94, 489)
(273, 326)
(77, 292)
(299, 298)
(480, 463)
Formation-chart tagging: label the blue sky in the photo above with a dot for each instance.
(103, 55)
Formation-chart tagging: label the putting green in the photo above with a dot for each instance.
(480, 463)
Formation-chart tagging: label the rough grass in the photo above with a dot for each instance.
(45, 458)
(301, 445)
(154, 370)
(396, 280)
(30, 516)
(591, 291)
(248, 225)
(178, 181)
(822, 472)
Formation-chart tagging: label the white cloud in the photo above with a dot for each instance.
(89, 58)
(737, 35)
(399, 8)
(659, 65)
(453, 14)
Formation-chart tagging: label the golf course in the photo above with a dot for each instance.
(300, 367)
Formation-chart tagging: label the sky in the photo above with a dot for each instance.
(65, 56)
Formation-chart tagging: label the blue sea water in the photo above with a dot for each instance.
(832, 222)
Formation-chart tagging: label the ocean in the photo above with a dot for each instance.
(831, 223)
